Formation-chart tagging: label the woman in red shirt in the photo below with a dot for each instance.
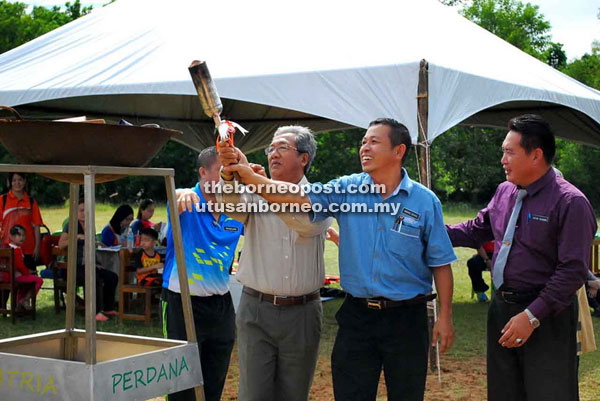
(18, 208)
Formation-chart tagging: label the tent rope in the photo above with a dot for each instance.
(426, 145)
(417, 161)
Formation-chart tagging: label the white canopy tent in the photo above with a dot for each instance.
(326, 64)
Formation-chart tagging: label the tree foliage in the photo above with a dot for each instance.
(18, 26)
(466, 161)
(520, 24)
(579, 163)
(587, 68)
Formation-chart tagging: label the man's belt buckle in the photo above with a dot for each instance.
(374, 304)
(276, 297)
(508, 294)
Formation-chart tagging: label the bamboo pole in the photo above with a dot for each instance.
(186, 301)
(70, 341)
(423, 113)
(90, 268)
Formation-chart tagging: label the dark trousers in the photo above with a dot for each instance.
(544, 368)
(477, 266)
(106, 287)
(395, 339)
(214, 318)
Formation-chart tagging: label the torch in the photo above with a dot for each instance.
(211, 102)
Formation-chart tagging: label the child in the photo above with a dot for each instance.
(22, 274)
(148, 261)
(592, 286)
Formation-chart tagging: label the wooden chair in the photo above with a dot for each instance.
(58, 264)
(9, 288)
(127, 287)
(594, 262)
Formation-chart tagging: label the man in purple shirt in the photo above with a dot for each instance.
(531, 329)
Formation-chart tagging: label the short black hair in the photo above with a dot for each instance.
(17, 229)
(398, 133)
(150, 232)
(535, 133)
(12, 174)
(207, 157)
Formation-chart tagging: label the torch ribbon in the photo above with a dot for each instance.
(227, 130)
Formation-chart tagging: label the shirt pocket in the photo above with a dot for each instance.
(406, 242)
(539, 233)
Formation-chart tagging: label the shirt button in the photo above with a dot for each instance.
(380, 228)
(376, 255)
(286, 277)
(507, 243)
(286, 256)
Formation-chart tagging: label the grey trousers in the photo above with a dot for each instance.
(277, 348)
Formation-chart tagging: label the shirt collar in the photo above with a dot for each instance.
(303, 181)
(199, 192)
(541, 182)
(406, 184)
(13, 196)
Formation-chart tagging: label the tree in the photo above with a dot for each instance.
(466, 164)
(18, 27)
(579, 163)
(520, 24)
(587, 68)
(465, 161)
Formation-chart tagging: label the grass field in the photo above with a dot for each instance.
(463, 367)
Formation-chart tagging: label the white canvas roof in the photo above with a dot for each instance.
(326, 64)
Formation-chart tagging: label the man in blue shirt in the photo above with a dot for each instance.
(388, 257)
(209, 242)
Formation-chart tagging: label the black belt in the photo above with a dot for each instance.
(517, 297)
(280, 300)
(383, 303)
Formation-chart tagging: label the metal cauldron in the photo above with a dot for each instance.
(80, 143)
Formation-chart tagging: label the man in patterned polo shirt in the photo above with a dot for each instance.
(209, 242)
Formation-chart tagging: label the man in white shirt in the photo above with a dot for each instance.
(282, 269)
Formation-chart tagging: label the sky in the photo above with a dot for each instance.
(575, 23)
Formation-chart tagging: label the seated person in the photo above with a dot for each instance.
(22, 274)
(148, 261)
(592, 285)
(145, 213)
(115, 232)
(479, 263)
(106, 280)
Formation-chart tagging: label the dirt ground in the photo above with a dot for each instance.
(462, 380)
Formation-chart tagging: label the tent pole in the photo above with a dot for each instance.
(425, 172)
(422, 115)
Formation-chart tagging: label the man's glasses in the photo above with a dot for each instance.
(280, 149)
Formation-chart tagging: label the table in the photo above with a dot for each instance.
(108, 258)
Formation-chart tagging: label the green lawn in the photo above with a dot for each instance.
(469, 316)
